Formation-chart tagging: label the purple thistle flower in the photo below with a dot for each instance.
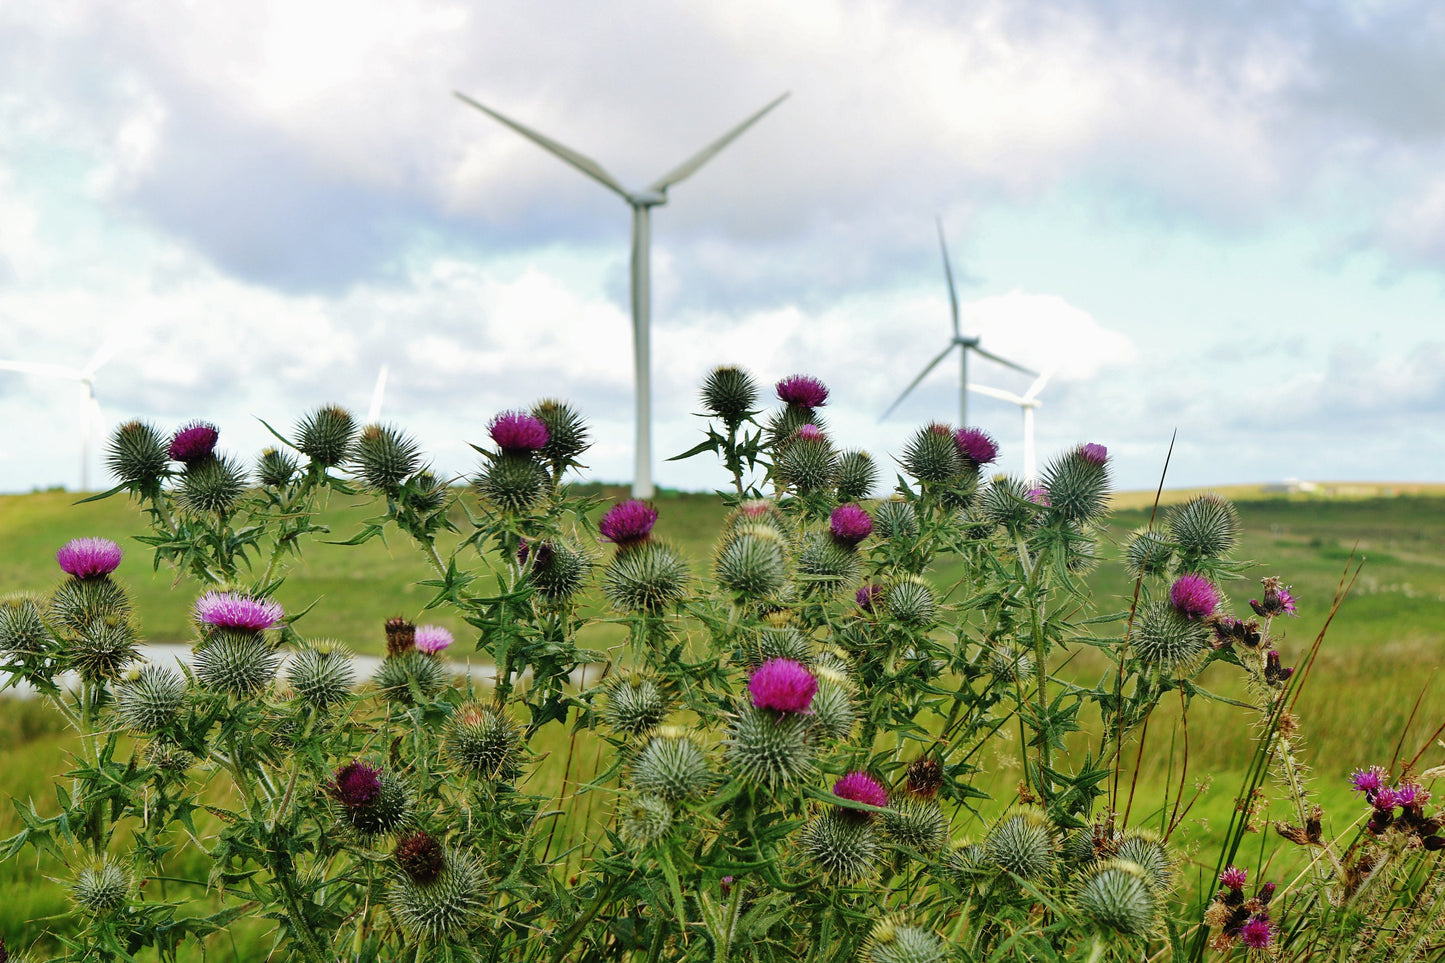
(431, 639)
(89, 557)
(809, 433)
(976, 445)
(726, 885)
(803, 391)
(231, 610)
(1257, 933)
(1039, 496)
(194, 442)
(783, 686)
(850, 524)
(628, 523)
(1193, 596)
(1234, 877)
(868, 596)
(1409, 794)
(1386, 800)
(356, 784)
(1287, 602)
(1094, 454)
(1368, 781)
(861, 787)
(517, 432)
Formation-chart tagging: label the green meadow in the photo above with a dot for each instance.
(1372, 696)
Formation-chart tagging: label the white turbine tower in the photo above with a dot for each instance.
(86, 378)
(642, 203)
(1027, 402)
(964, 346)
(373, 414)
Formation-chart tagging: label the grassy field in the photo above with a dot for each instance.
(1382, 652)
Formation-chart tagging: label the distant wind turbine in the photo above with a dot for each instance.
(964, 346)
(1027, 401)
(642, 202)
(373, 414)
(86, 377)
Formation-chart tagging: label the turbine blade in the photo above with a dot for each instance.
(583, 163)
(101, 358)
(948, 273)
(998, 393)
(914, 384)
(688, 167)
(1004, 361)
(41, 369)
(1038, 384)
(373, 414)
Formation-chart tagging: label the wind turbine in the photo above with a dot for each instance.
(86, 377)
(964, 346)
(1027, 401)
(373, 414)
(642, 203)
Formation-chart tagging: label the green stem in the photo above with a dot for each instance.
(725, 938)
(574, 932)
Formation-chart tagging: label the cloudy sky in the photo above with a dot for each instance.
(1222, 217)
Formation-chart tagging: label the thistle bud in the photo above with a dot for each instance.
(101, 890)
(445, 907)
(1148, 553)
(916, 823)
(833, 711)
(325, 436)
(845, 849)
(138, 457)
(384, 458)
(768, 749)
(425, 492)
(275, 469)
(1166, 638)
(420, 857)
(80, 603)
(783, 425)
(558, 570)
(807, 462)
(895, 519)
(102, 649)
(634, 707)
(1078, 483)
(484, 743)
(893, 941)
(512, 481)
(932, 457)
(213, 486)
(1145, 850)
(400, 636)
(645, 820)
(237, 664)
(925, 777)
(1204, 527)
(751, 563)
(672, 768)
(650, 577)
(22, 628)
(169, 757)
(781, 642)
(1274, 672)
(566, 434)
(1006, 502)
(411, 677)
(1117, 896)
(148, 698)
(1021, 845)
(857, 476)
(322, 674)
(911, 602)
(729, 393)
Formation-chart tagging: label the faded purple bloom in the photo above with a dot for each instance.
(1368, 781)
(1234, 877)
(431, 639)
(1408, 794)
(1094, 454)
(628, 523)
(809, 433)
(867, 596)
(1039, 496)
(783, 686)
(1287, 602)
(861, 787)
(1266, 893)
(356, 784)
(803, 391)
(1257, 933)
(194, 442)
(850, 524)
(726, 885)
(1193, 596)
(89, 557)
(976, 445)
(517, 432)
(231, 610)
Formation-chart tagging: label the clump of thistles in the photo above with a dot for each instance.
(1409, 798)
(432, 639)
(1241, 921)
(628, 523)
(517, 432)
(231, 610)
(975, 446)
(803, 391)
(194, 442)
(89, 557)
(1193, 596)
(783, 685)
(850, 524)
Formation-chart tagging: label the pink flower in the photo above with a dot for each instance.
(1287, 602)
(231, 610)
(1234, 877)
(517, 432)
(1257, 933)
(194, 442)
(976, 445)
(628, 523)
(1039, 496)
(1094, 454)
(1368, 781)
(861, 787)
(850, 524)
(89, 557)
(431, 639)
(803, 391)
(809, 433)
(356, 784)
(1193, 596)
(783, 686)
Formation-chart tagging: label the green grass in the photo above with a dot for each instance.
(1382, 651)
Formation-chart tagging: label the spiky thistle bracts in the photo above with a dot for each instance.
(729, 393)
(443, 908)
(485, 744)
(372, 801)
